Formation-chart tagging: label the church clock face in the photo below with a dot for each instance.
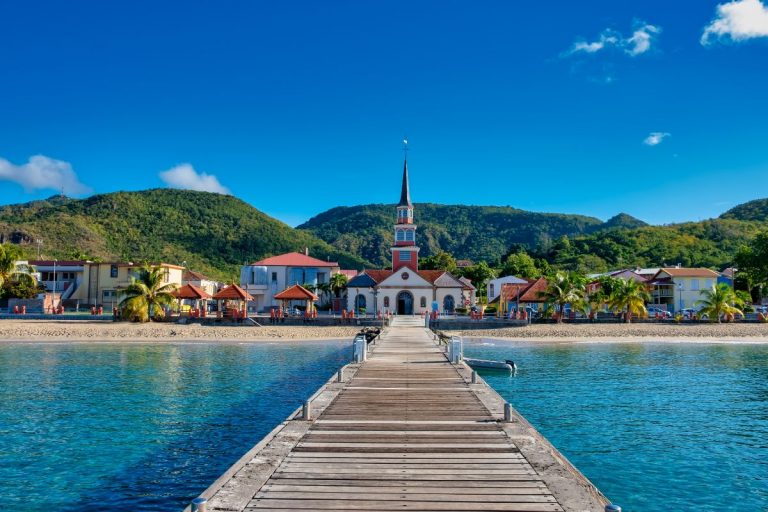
(405, 276)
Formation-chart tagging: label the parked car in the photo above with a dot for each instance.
(663, 313)
(688, 314)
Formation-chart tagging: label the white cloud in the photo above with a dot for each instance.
(41, 173)
(641, 40)
(738, 20)
(655, 138)
(184, 176)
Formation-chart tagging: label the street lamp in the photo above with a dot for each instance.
(357, 302)
(53, 299)
(680, 291)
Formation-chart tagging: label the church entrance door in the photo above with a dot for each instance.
(404, 303)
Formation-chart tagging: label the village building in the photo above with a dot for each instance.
(83, 283)
(404, 289)
(494, 286)
(266, 278)
(201, 281)
(678, 288)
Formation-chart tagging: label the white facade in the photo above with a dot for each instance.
(392, 294)
(263, 282)
(493, 289)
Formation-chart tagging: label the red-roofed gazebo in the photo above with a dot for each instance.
(233, 293)
(196, 295)
(296, 292)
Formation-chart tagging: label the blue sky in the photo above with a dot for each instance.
(653, 108)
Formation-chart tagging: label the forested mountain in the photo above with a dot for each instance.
(756, 210)
(216, 233)
(467, 232)
(213, 233)
(489, 233)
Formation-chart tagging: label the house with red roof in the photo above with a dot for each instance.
(266, 278)
(405, 289)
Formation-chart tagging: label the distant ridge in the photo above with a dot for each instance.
(756, 210)
(213, 233)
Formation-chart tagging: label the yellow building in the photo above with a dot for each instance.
(101, 282)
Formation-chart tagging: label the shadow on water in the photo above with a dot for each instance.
(168, 477)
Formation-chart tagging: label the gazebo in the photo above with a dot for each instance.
(233, 293)
(192, 292)
(296, 292)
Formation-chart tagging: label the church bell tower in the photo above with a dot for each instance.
(405, 253)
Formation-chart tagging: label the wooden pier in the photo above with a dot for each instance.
(405, 430)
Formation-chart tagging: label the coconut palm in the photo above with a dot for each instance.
(629, 297)
(719, 300)
(338, 284)
(147, 294)
(564, 288)
(11, 271)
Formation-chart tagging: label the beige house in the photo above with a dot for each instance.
(205, 283)
(677, 288)
(101, 282)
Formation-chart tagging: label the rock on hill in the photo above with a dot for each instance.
(213, 233)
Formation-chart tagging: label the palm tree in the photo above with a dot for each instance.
(629, 297)
(338, 284)
(10, 271)
(564, 288)
(324, 289)
(719, 300)
(147, 294)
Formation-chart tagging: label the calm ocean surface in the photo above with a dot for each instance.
(142, 427)
(147, 427)
(656, 427)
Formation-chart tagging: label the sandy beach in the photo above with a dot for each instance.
(695, 333)
(79, 330)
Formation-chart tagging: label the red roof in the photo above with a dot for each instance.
(431, 275)
(233, 292)
(295, 259)
(296, 292)
(378, 275)
(349, 273)
(190, 291)
(687, 272)
(532, 292)
(60, 263)
(191, 275)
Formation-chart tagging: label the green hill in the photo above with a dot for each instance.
(468, 232)
(756, 210)
(213, 233)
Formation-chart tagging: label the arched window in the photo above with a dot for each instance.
(448, 304)
(386, 302)
(360, 302)
(423, 302)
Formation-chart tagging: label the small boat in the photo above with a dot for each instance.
(491, 365)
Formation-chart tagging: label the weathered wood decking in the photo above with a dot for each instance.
(408, 432)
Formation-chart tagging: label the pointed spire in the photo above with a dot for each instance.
(405, 194)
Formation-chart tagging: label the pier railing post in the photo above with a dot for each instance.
(474, 377)
(307, 410)
(199, 505)
(508, 414)
(340, 375)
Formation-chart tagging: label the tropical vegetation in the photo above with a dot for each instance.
(563, 289)
(16, 280)
(628, 297)
(147, 295)
(719, 301)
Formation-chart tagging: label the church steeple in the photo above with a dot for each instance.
(405, 193)
(405, 253)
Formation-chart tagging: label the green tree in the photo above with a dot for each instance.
(442, 260)
(16, 280)
(752, 261)
(338, 284)
(145, 297)
(719, 300)
(520, 264)
(629, 297)
(564, 288)
(479, 274)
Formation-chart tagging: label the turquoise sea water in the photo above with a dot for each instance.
(657, 427)
(142, 427)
